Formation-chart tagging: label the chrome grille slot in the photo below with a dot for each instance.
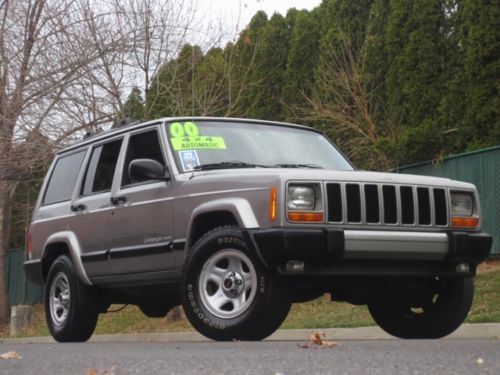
(353, 203)
(372, 206)
(440, 211)
(334, 203)
(424, 206)
(390, 204)
(407, 207)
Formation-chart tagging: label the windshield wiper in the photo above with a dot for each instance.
(227, 165)
(314, 166)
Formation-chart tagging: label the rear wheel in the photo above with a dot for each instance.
(71, 308)
(227, 293)
(441, 311)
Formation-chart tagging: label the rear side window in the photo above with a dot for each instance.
(101, 168)
(63, 178)
(142, 146)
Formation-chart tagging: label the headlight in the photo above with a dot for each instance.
(300, 198)
(461, 204)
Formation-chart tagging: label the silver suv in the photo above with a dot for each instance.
(237, 219)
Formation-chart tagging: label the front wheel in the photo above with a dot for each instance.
(71, 308)
(227, 292)
(440, 313)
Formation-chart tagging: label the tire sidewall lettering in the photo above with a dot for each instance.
(200, 317)
(198, 312)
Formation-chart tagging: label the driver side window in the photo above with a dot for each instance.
(142, 146)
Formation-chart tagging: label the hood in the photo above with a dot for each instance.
(246, 175)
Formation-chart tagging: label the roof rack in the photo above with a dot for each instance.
(126, 121)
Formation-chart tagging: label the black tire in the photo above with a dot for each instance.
(263, 310)
(77, 320)
(276, 314)
(444, 312)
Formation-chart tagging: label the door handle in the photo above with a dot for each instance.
(118, 200)
(78, 207)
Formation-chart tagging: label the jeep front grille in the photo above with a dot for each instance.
(386, 204)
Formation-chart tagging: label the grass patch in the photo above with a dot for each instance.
(320, 313)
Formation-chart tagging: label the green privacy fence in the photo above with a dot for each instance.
(481, 168)
(21, 291)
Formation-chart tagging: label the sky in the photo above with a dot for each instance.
(236, 14)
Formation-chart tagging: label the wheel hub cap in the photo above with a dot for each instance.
(228, 283)
(59, 299)
(233, 284)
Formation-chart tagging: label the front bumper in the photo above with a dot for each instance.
(371, 252)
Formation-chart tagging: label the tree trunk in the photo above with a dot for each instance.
(4, 243)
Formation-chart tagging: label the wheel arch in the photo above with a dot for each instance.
(63, 243)
(213, 214)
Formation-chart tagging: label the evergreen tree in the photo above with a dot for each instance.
(302, 60)
(134, 106)
(171, 92)
(339, 20)
(376, 61)
(417, 48)
(269, 73)
(480, 33)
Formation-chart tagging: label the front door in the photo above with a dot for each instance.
(141, 230)
(93, 208)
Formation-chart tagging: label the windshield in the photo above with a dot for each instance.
(218, 145)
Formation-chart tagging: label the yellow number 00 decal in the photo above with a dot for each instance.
(178, 130)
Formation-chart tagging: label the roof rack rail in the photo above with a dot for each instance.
(126, 121)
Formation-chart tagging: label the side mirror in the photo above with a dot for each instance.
(147, 169)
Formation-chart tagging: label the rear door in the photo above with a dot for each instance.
(141, 230)
(93, 208)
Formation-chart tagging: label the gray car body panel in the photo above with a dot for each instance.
(159, 214)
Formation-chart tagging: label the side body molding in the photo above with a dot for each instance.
(69, 238)
(238, 207)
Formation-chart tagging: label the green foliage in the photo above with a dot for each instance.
(134, 106)
(392, 82)
(302, 59)
(269, 72)
(480, 38)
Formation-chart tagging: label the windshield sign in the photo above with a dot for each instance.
(221, 145)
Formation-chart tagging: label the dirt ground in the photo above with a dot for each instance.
(489, 266)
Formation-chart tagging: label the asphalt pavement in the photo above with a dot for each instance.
(448, 356)
(466, 331)
(472, 349)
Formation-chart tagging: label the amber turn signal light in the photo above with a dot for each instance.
(306, 216)
(464, 222)
(272, 204)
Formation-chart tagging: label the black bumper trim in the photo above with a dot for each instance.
(33, 271)
(276, 245)
(464, 246)
(327, 246)
(95, 256)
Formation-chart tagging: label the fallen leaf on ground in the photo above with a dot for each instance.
(318, 339)
(10, 355)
